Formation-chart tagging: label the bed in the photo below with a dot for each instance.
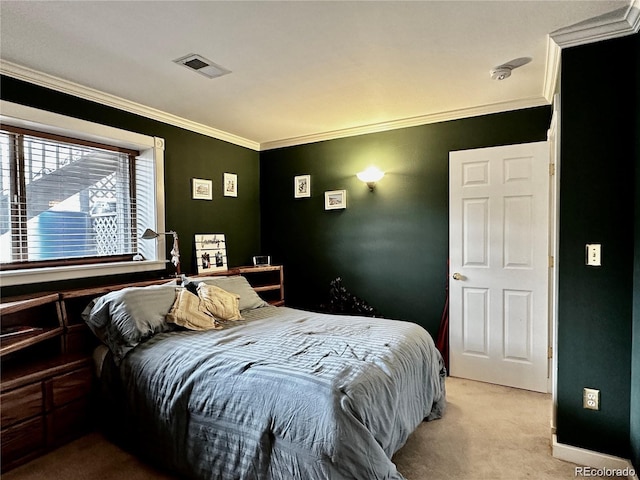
(277, 393)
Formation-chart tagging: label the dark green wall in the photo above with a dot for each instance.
(597, 203)
(187, 155)
(634, 425)
(390, 246)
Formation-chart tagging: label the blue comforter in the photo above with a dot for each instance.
(283, 394)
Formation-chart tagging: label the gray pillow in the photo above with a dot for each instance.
(125, 318)
(237, 284)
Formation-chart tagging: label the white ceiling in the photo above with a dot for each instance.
(301, 70)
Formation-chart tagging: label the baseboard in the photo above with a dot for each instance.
(589, 458)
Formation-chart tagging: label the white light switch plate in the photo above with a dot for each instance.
(593, 254)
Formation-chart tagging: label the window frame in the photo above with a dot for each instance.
(150, 148)
(17, 136)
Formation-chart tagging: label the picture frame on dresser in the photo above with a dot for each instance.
(211, 252)
(260, 260)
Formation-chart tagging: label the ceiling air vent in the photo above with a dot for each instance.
(199, 64)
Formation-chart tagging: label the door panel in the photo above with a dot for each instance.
(517, 325)
(475, 321)
(518, 232)
(476, 232)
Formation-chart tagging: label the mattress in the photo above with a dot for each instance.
(282, 394)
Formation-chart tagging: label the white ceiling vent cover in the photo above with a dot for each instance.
(199, 64)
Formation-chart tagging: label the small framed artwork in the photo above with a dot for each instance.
(202, 189)
(302, 186)
(335, 199)
(230, 185)
(260, 260)
(211, 252)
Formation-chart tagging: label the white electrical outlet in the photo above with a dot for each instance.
(593, 254)
(591, 398)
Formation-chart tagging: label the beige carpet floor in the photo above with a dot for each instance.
(488, 432)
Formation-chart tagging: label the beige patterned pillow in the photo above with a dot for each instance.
(221, 304)
(189, 312)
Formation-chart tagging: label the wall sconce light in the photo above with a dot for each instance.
(370, 176)
(175, 251)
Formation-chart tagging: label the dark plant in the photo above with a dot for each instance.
(341, 301)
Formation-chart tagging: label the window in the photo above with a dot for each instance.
(75, 196)
(64, 199)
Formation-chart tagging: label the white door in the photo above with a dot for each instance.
(499, 260)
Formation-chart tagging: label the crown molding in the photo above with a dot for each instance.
(615, 24)
(621, 22)
(408, 122)
(49, 81)
(552, 70)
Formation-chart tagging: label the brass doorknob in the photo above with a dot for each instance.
(457, 276)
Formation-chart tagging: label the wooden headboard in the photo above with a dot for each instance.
(266, 280)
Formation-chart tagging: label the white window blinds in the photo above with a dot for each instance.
(64, 199)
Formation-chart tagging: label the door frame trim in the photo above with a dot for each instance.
(553, 136)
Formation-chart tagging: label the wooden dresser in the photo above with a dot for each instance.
(47, 372)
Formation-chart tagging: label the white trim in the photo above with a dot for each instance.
(552, 70)
(555, 138)
(49, 81)
(551, 228)
(23, 116)
(615, 24)
(619, 23)
(409, 122)
(589, 458)
(633, 17)
(53, 274)
(151, 148)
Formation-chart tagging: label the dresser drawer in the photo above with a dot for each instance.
(20, 404)
(70, 386)
(22, 439)
(69, 421)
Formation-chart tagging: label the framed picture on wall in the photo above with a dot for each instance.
(202, 189)
(230, 185)
(211, 252)
(335, 199)
(302, 186)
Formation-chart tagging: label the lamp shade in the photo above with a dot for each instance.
(175, 251)
(149, 234)
(371, 174)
